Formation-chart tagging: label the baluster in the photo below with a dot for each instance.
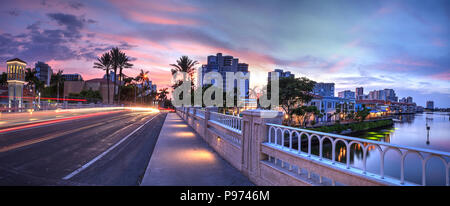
(309, 146)
(447, 175)
(282, 138)
(320, 148)
(382, 164)
(364, 149)
(423, 173)
(276, 136)
(299, 136)
(402, 170)
(290, 141)
(348, 155)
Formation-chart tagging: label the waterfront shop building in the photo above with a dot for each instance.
(332, 108)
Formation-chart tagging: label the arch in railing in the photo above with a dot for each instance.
(446, 166)
(276, 134)
(401, 166)
(310, 138)
(380, 150)
(364, 154)
(402, 162)
(283, 139)
(334, 148)
(300, 139)
(321, 145)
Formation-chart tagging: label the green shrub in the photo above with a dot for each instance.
(355, 127)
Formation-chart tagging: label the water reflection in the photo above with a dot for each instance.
(429, 130)
(409, 130)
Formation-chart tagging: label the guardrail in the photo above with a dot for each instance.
(272, 154)
(282, 137)
(200, 113)
(231, 122)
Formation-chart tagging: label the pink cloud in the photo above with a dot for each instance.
(445, 76)
(146, 18)
(439, 42)
(163, 6)
(410, 62)
(341, 64)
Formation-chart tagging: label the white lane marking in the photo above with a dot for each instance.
(105, 152)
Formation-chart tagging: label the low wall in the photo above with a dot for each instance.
(249, 144)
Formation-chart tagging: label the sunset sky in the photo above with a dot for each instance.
(402, 45)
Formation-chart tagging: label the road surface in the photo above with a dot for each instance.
(108, 149)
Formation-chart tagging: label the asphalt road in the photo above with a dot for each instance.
(46, 154)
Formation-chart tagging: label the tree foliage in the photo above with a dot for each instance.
(293, 93)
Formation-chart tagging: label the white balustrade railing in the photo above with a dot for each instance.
(283, 137)
(200, 113)
(228, 121)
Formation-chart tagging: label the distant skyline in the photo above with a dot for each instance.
(403, 45)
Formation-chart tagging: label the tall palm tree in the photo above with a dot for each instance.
(104, 63)
(122, 61)
(115, 55)
(31, 79)
(39, 85)
(58, 79)
(4, 79)
(163, 94)
(184, 64)
(142, 77)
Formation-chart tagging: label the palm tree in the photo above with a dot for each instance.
(115, 56)
(31, 79)
(121, 61)
(58, 79)
(4, 79)
(142, 77)
(39, 85)
(184, 64)
(163, 94)
(104, 63)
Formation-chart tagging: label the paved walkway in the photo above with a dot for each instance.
(181, 157)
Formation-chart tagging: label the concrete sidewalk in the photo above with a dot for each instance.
(181, 157)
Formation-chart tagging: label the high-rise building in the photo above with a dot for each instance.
(72, 77)
(409, 100)
(347, 94)
(280, 74)
(222, 65)
(43, 72)
(324, 89)
(112, 77)
(430, 105)
(390, 95)
(359, 91)
(385, 95)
